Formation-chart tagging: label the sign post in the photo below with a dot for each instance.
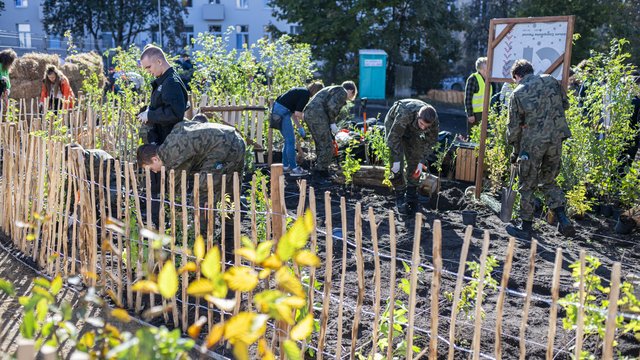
(544, 41)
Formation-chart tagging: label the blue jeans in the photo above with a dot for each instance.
(288, 133)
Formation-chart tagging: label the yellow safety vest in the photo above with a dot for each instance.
(478, 97)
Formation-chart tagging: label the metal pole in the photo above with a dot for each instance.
(159, 23)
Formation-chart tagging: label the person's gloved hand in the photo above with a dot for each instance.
(301, 132)
(513, 157)
(396, 167)
(334, 129)
(419, 169)
(143, 117)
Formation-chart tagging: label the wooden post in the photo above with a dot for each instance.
(503, 286)
(392, 281)
(172, 205)
(343, 273)
(553, 316)
(236, 231)
(26, 349)
(376, 281)
(610, 327)
(435, 288)
(278, 216)
(302, 191)
(149, 225)
(328, 270)
(480, 292)
(527, 300)
(196, 228)
(314, 248)
(580, 318)
(415, 263)
(185, 249)
(458, 289)
(360, 272)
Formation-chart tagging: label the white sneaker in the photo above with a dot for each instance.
(286, 169)
(298, 171)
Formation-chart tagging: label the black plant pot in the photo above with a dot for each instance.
(606, 210)
(469, 217)
(624, 225)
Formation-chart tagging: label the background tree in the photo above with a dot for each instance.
(1, 5)
(123, 19)
(412, 32)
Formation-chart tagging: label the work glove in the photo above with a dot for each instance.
(419, 169)
(334, 129)
(396, 167)
(301, 132)
(143, 117)
(513, 157)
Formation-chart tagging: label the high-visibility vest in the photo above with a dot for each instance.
(478, 97)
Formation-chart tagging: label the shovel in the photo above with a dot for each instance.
(508, 198)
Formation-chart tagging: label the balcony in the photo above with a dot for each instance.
(213, 12)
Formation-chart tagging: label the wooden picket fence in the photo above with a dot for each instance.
(54, 211)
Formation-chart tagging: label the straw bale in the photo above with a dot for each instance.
(25, 69)
(88, 63)
(25, 89)
(41, 61)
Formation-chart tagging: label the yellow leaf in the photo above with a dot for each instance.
(240, 351)
(264, 273)
(121, 315)
(200, 287)
(112, 330)
(240, 278)
(219, 286)
(215, 335)
(247, 253)
(272, 262)
(291, 350)
(190, 267)
(296, 238)
(56, 285)
(168, 280)
(210, 266)
(302, 329)
(307, 258)
(288, 282)
(295, 302)
(268, 355)
(88, 339)
(145, 286)
(245, 327)
(195, 328)
(263, 251)
(198, 248)
(263, 347)
(114, 297)
(31, 237)
(285, 313)
(222, 304)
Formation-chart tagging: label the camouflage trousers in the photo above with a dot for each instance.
(219, 164)
(413, 153)
(318, 123)
(540, 172)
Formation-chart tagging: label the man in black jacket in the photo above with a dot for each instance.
(169, 99)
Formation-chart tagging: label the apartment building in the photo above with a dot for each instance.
(21, 25)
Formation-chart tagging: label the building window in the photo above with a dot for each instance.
(24, 35)
(55, 42)
(22, 3)
(242, 4)
(187, 35)
(214, 1)
(295, 29)
(107, 40)
(242, 35)
(215, 30)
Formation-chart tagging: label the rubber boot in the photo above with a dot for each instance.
(411, 196)
(565, 227)
(401, 203)
(523, 232)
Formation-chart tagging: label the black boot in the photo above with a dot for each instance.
(401, 203)
(412, 199)
(523, 232)
(565, 227)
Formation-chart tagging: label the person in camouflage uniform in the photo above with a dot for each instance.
(320, 114)
(537, 127)
(411, 132)
(198, 148)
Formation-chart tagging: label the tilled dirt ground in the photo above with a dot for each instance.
(595, 235)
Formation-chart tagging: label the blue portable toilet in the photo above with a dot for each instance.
(373, 73)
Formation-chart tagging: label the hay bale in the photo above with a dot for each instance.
(25, 89)
(88, 63)
(37, 64)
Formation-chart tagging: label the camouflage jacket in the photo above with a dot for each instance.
(402, 126)
(190, 144)
(330, 99)
(97, 155)
(536, 113)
